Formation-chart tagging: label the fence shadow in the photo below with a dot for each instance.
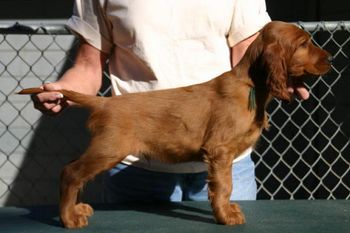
(56, 141)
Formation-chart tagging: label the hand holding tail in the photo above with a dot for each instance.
(46, 98)
(53, 102)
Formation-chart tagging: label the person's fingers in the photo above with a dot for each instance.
(302, 92)
(300, 89)
(50, 97)
(51, 86)
(59, 107)
(49, 102)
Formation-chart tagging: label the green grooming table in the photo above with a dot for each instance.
(262, 216)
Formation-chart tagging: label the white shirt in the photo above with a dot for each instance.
(159, 44)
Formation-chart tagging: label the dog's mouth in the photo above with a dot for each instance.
(297, 88)
(296, 84)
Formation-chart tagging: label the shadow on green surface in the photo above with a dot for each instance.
(48, 215)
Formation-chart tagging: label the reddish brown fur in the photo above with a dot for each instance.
(207, 122)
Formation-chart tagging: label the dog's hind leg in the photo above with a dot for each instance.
(96, 159)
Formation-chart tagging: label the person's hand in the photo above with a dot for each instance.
(50, 102)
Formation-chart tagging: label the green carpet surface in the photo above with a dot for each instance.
(262, 216)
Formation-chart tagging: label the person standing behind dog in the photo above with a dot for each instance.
(151, 45)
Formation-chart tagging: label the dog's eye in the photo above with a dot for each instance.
(305, 44)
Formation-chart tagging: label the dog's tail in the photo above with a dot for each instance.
(83, 100)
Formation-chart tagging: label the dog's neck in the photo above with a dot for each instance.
(255, 76)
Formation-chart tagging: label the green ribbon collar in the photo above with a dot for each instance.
(252, 99)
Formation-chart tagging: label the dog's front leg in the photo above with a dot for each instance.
(220, 188)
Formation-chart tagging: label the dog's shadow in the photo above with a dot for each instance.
(48, 215)
(179, 210)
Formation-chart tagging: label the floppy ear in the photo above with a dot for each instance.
(275, 63)
(255, 49)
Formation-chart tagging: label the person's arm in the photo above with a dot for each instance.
(85, 76)
(238, 50)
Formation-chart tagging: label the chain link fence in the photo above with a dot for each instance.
(305, 154)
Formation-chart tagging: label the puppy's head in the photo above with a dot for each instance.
(288, 55)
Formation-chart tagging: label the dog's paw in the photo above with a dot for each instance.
(84, 209)
(78, 217)
(232, 216)
(236, 216)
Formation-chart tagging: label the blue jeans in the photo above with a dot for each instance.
(128, 183)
